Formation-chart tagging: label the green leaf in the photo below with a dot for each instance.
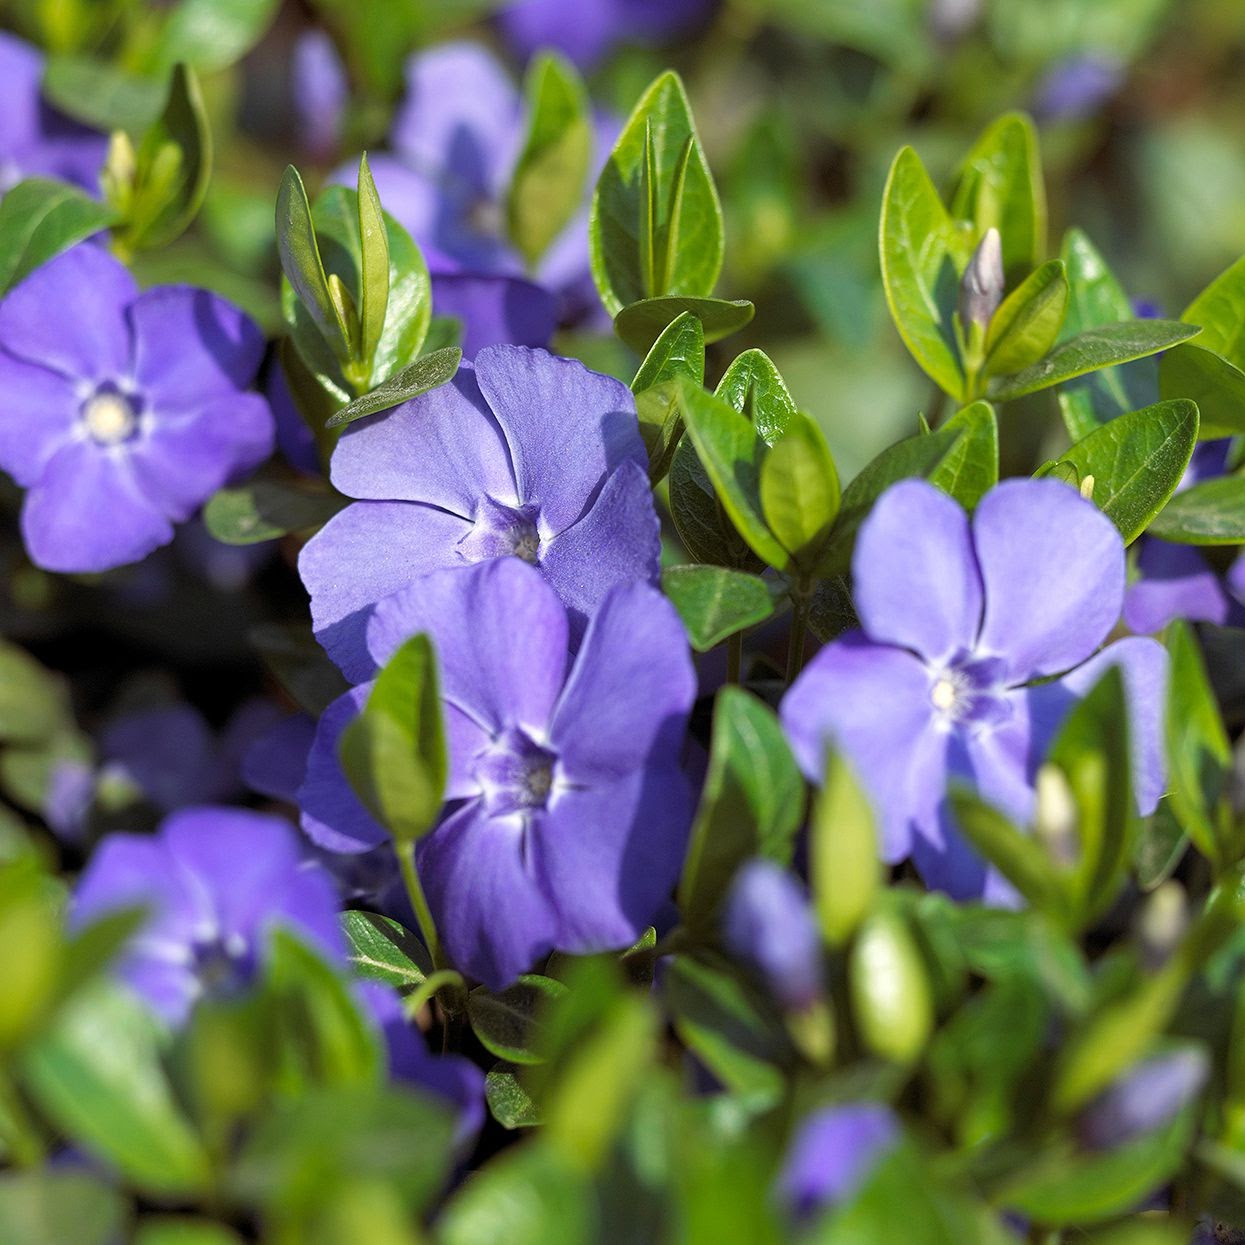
(844, 868)
(170, 1230)
(49, 1207)
(656, 225)
(299, 250)
(961, 458)
(751, 805)
(508, 1022)
(799, 492)
(101, 95)
(1137, 461)
(1000, 187)
(97, 1076)
(268, 508)
(382, 950)
(1161, 846)
(299, 665)
(1217, 386)
(1025, 327)
(1218, 310)
(755, 388)
(212, 34)
(731, 451)
(32, 700)
(1211, 513)
(508, 1102)
(173, 168)
(703, 525)
(373, 265)
(715, 602)
(547, 185)
(428, 372)
(919, 275)
(40, 218)
(639, 324)
(1093, 349)
(394, 752)
(679, 351)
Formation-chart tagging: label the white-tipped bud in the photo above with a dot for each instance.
(949, 19)
(1087, 487)
(981, 287)
(1055, 822)
(1162, 923)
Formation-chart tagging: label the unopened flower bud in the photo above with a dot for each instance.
(949, 19)
(1162, 924)
(981, 287)
(1055, 822)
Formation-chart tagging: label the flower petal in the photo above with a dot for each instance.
(495, 309)
(1053, 568)
(1174, 581)
(872, 702)
(39, 413)
(362, 555)
(566, 427)
(916, 578)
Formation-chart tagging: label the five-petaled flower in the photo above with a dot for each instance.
(524, 455)
(124, 411)
(567, 810)
(959, 620)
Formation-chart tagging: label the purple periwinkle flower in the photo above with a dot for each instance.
(1148, 1096)
(959, 618)
(215, 881)
(1077, 86)
(35, 139)
(124, 411)
(768, 923)
(525, 456)
(320, 91)
(833, 1154)
(567, 812)
(585, 31)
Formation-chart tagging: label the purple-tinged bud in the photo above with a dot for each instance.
(981, 287)
(1075, 87)
(950, 19)
(833, 1154)
(768, 922)
(1145, 1098)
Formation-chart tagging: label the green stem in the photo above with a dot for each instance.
(734, 657)
(442, 979)
(25, 1144)
(415, 892)
(800, 593)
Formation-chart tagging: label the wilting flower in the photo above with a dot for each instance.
(215, 882)
(124, 411)
(567, 811)
(959, 620)
(35, 139)
(1148, 1096)
(768, 923)
(833, 1155)
(587, 30)
(524, 456)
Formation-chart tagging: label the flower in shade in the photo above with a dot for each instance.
(320, 91)
(1077, 86)
(567, 811)
(524, 456)
(960, 620)
(585, 31)
(1148, 1096)
(452, 1078)
(214, 882)
(833, 1154)
(768, 923)
(124, 411)
(35, 139)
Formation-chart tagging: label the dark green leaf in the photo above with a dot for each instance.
(510, 1104)
(508, 1022)
(1025, 327)
(299, 250)
(299, 665)
(703, 525)
(266, 509)
(1136, 461)
(639, 324)
(39, 219)
(715, 602)
(751, 805)
(679, 351)
(49, 1207)
(1211, 513)
(1093, 349)
(1217, 386)
(428, 372)
(383, 950)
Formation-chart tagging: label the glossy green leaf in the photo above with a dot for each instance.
(268, 508)
(508, 1022)
(679, 351)
(373, 264)
(1161, 846)
(1137, 461)
(1025, 327)
(755, 388)
(1210, 513)
(1218, 312)
(1000, 187)
(547, 185)
(751, 804)
(921, 280)
(299, 250)
(1217, 386)
(1095, 348)
(509, 1103)
(656, 226)
(639, 324)
(703, 525)
(40, 218)
(102, 95)
(844, 868)
(394, 752)
(381, 949)
(428, 372)
(97, 1075)
(49, 1207)
(211, 34)
(715, 602)
(799, 492)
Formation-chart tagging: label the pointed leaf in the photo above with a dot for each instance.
(715, 602)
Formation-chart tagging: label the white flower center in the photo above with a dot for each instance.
(944, 694)
(109, 418)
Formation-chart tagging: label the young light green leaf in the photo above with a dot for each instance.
(547, 186)
(799, 492)
(101, 94)
(919, 273)
(656, 226)
(1025, 327)
(715, 602)
(1217, 386)
(844, 868)
(394, 752)
(509, 1103)
(639, 324)
(755, 388)
(678, 351)
(1217, 310)
(40, 218)
(45, 1206)
(1210, 513)
(1136, 461)
(268, 508)
(299, 250)
(373, 265)
(428, 372)
(1095, 348)
(890, 992)
(211, 34)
